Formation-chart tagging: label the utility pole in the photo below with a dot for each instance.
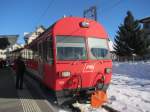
(90, 13)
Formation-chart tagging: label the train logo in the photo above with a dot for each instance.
(89, 68)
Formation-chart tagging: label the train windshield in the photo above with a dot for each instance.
(71, 48)
(98, 48)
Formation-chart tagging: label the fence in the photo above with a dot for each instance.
(132, 58)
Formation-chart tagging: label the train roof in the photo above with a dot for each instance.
(72, 26)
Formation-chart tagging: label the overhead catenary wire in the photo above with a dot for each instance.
(98, 7)
(52, 1)
(111, 7)
(44, 12)
(42, 15)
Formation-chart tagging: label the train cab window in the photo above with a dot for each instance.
(71, 48)
(50, 58)
(98, 48)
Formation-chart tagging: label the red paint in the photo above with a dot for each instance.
(71, 26)
(84, 74)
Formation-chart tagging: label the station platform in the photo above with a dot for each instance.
(25, 100)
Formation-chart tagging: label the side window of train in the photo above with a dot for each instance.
(35, 53)
(50, 58)
(30, 52)
(40, 53)
(45, 51)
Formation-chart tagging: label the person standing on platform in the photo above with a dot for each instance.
(20, 69)
(0, 63)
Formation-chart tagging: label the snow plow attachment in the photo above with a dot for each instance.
(98, 98)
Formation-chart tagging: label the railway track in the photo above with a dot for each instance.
(109, 109)
(104, 108)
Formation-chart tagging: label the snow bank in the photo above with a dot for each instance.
(130, 88)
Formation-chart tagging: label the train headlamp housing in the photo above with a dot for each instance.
(65, 74)
(108, 70)
(84, 24)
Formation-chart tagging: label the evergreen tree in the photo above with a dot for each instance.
(129, 39)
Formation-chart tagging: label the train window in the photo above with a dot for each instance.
(40, 51)
(30, 54)
(98, 48)
(45, 51)
(50, 57)
(71, 48)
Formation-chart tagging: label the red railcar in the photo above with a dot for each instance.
(71, 57)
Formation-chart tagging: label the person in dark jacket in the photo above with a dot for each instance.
(1, 63)
(20, 69)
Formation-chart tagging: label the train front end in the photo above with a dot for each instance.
(83, 63)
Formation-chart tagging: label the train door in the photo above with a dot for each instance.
(40, 60)
(48, 63)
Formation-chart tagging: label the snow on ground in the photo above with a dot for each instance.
(130, 88)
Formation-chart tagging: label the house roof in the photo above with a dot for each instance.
(6, 40)
(145, 20)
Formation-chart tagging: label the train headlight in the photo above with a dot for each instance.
(108, 70)
(65, 74)
(84, 24)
